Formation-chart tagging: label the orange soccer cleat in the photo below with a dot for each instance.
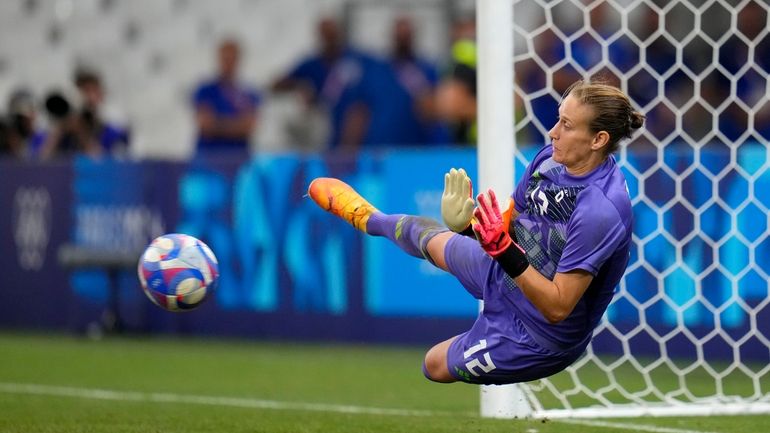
(339, 198)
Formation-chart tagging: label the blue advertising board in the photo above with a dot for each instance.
(290, 270)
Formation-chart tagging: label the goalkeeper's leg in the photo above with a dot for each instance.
(417, 236)
(435, 365)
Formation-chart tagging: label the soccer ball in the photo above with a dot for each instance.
(178, 271)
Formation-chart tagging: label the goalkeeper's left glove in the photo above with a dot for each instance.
(492, 233)
(457, 202)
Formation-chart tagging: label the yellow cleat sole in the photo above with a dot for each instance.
(339, 198)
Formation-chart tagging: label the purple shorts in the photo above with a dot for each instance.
(497, 349)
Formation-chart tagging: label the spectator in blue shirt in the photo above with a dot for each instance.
(456, 94)
(330, 80)
(397, 95)
(225, 110)
(113, 138)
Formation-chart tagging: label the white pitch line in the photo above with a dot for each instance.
(105, 394)
(629, 426)
(157, 397)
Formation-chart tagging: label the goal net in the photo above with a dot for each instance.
(688, 331)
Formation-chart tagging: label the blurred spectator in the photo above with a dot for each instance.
(225, 110)
(456, 94)
(19, 134)
(82, 129)
(112, 136)
(329, 80)
(397, 95)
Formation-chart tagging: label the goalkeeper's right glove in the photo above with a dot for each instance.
(493, 236)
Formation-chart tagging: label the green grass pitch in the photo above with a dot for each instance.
(58, 383)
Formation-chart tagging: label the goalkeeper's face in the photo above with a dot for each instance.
(574, 144)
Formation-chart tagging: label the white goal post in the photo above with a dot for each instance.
(496, 142)
(688, 332)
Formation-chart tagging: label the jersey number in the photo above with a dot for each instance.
(470, 365)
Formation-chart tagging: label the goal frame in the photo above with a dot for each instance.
(496, 152)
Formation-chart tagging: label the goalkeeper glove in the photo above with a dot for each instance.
(457, 204)
(457, 201)
(492, 232)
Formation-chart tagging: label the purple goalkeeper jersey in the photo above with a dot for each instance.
(566, 223)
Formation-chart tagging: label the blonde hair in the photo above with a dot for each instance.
(612, 110)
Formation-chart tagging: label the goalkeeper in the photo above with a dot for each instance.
(546, 277)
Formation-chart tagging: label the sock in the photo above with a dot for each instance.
(410, 233)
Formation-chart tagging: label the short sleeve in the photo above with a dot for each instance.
(253, 97)
(594, 233)
(200, 96)
(256, 98)
(431, 74)
(302, 71)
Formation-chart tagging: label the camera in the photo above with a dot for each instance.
(57, 106)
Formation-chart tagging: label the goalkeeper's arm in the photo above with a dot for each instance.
(457, 204)
(554, 299)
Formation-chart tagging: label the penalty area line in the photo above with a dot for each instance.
(156, 397)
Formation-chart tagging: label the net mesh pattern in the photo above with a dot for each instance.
(690, 322)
